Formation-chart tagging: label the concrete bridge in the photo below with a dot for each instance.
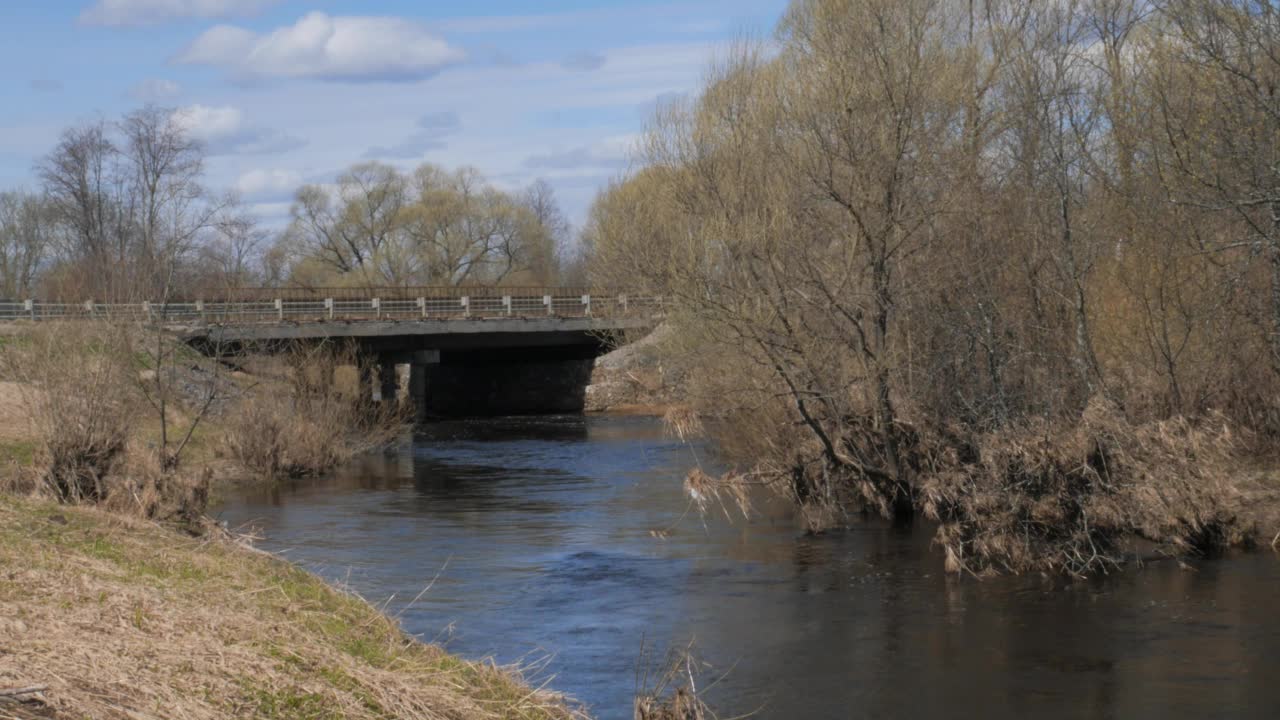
(469, 351)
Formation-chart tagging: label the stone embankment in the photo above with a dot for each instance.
(633, 379)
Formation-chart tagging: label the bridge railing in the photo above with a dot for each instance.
(489, 305)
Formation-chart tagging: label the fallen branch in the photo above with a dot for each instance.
(17, 692)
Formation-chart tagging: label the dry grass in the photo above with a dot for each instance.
(670, 691)
(1058, 497)
(76, 390)
(309, 423)
(74, 383)
(121, 618)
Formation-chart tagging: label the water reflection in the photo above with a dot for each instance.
(541, 534)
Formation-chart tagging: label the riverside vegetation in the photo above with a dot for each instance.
(1011, 266)
(123, 600)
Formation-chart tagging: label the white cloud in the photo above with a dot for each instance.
(327, 48)
(268, 184)
(224, 131)
(153, 12)
(209, 123)
(155, 90)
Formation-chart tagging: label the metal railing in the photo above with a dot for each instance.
(457, 304)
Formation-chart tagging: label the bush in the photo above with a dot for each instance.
(309, 424)
(78, 384)
(78, 390)
(1057, 497)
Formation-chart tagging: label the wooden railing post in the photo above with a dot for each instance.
(279, 310)
(546, 300)
(30, 307)
(200, 309)
(506, 303)
(422, 307)
(586, 300)
(377, 308)
(328, 307)
(466, 306)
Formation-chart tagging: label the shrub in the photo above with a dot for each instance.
(79, 393)
(309, 424)
(1059, 497)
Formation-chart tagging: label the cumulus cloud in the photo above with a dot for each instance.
(155, 90)
(153, 12)
(323, 47)
(433, 128)
(266, 185)
(584, 62)
(224, 131)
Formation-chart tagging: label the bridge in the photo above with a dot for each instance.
(469, 351)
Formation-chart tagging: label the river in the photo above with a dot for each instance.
(569, 539)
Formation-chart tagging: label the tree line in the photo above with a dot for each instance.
(917, 229)
(122, 211)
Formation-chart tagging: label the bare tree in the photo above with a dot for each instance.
(26, 240)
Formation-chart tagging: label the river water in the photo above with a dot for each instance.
(570, 537)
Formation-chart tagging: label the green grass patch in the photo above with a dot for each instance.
(22, 452)
(289, 704)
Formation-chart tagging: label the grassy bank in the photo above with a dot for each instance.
(122, 618)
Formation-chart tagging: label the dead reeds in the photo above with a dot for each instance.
(1061, 497)
(310, 423)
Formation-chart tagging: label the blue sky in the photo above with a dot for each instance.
(291, 91)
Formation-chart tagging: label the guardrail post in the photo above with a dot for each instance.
(506, 303)
(30, 307)
(422, 307)
(466, 306)
(623, 299)
(377, 307)
(586, 300)
(546, 300)
(200, 309)
(146, 309)
(328, 307)
(279, 310)
(88, 307)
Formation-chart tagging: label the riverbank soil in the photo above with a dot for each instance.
(119, 618)
(633, 380)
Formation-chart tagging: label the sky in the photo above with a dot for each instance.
(286, 92)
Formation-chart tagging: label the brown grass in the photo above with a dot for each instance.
(121, 618)
(1057, 497)
(671, 692)
(74, 383)
(309, 423)
(76, 390)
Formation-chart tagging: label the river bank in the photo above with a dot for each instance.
(116, 617)
(121, 599)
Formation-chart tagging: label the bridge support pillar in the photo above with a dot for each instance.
(388, 382)
(418, 381)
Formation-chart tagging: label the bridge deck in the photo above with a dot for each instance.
(449, 307)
